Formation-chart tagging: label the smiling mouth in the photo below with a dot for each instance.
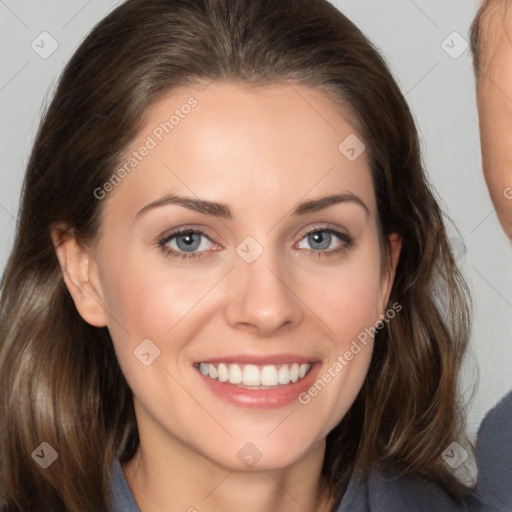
(253, 376)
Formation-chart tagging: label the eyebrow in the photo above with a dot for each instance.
(222, 210)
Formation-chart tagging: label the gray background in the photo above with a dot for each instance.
(438, 87)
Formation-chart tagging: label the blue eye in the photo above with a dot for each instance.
(184, 243)
(320, 241)
(187, 243)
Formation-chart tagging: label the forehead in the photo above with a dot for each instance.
(229, 142)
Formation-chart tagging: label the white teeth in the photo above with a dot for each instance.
(212, 371)
(223, 373)
(283, 376)
(235, 374)
(251, 375)
(269, 376)
(256, 376)
(294, 372)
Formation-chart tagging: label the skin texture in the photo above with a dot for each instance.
(260, 152)
(494, 98)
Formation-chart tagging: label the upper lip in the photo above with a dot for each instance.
(260, 360)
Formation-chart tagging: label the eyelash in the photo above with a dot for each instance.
(162, 243)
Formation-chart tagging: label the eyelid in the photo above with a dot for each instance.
(168, 235)
(322, 227)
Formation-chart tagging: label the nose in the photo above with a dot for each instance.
(262, 298)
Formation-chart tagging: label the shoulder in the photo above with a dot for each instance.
(496, 421)
(494, 457)
(388, 493)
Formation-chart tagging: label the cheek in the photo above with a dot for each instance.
(349, 306)
(349, 302)
(146, 302)
(348, 297)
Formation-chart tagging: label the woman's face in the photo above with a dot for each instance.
(276, 275)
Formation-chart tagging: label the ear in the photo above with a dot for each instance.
(80, 274)
(388, 277)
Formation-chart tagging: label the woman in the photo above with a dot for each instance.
(231, 284)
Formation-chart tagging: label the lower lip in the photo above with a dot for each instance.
(272, 398)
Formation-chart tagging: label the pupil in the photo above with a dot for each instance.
(186, 242)
(321, 237)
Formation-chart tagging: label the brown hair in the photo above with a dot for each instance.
(59, 378)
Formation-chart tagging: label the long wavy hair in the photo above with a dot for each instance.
(60, 381)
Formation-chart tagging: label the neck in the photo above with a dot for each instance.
(175, 478)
